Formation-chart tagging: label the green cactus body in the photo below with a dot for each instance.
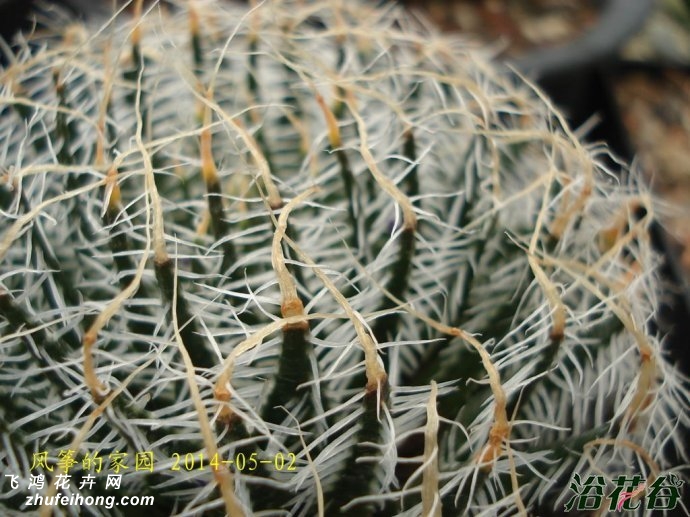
(322, 241)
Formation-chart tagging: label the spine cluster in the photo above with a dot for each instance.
(321, 232)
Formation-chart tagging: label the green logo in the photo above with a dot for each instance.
(662, 493)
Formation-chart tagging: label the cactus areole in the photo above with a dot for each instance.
(313, 258)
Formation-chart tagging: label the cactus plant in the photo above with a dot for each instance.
(353, 257)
